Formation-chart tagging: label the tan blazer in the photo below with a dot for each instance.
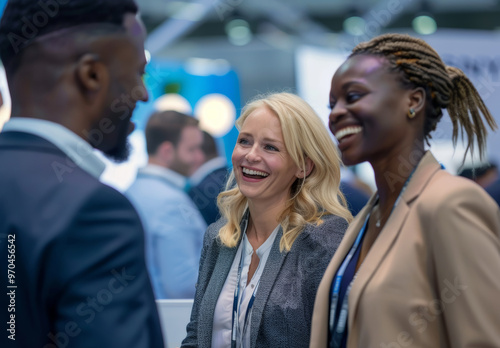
(432, 277)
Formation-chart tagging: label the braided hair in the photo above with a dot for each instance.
(419, 65)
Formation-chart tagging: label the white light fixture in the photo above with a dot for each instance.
(173, 101)
(424, 25)
(238, 32)
(354, 25)
(207, 67)
(216, 114)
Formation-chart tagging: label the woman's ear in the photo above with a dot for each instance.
(309, 167)
(417, 100)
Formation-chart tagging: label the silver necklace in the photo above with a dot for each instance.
(379, 219)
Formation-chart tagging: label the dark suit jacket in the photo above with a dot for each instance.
(282, 311)
(494, 191)
(205, 194)
(79, 255)
(356, 199)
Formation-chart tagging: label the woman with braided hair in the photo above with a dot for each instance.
(419, 266)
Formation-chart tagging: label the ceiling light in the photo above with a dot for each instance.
(173, 101)
(424, 25)
(216, 113)
(238, 32)
(354, 25)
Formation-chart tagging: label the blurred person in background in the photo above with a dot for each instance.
(174, 226)
(418, 267)
(283, 216)
(483, 175)
(355, 196)
(74, 245)
(209, 180)
(494, 190)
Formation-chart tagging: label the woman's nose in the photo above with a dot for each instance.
(253, 154)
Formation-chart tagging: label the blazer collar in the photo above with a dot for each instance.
(269, 274)
(425, 170)
(215, 285)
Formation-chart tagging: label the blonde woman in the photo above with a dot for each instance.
(283, 218)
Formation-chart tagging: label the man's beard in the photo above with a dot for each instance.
(121, 151)
(180, 167)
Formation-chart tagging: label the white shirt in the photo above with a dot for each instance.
(221, 334)
(207, 168)
(169, 175)
(77, 149)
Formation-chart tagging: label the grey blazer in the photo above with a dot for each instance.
(282, 311)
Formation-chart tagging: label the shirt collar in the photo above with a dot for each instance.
(266, 246)
(207, 168)
(77, 149)
(166, 174)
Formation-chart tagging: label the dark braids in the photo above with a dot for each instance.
(419, 65)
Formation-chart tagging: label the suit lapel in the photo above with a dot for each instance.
(427, 167)
(215, 285)
(319, 327)
(268, 277)
(214, 288)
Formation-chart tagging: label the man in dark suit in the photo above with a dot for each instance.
(209, 180)
(71, 248)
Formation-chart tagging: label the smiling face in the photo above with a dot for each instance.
(263, 169)
(369, 107)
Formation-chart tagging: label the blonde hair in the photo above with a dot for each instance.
(312, 197)
(446, 86)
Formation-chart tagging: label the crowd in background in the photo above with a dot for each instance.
(276, 249)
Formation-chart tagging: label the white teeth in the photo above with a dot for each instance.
(347, 131)
(254, 172)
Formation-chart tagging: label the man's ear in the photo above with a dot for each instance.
(165, 152)
(309, 167)
(91, 73)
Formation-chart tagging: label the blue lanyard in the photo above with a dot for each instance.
(236, 304)
(337, 333)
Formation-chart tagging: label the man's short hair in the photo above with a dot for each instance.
(25, 20)
(209, 147)
(166, 126)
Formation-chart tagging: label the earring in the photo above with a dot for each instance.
(411, 113)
